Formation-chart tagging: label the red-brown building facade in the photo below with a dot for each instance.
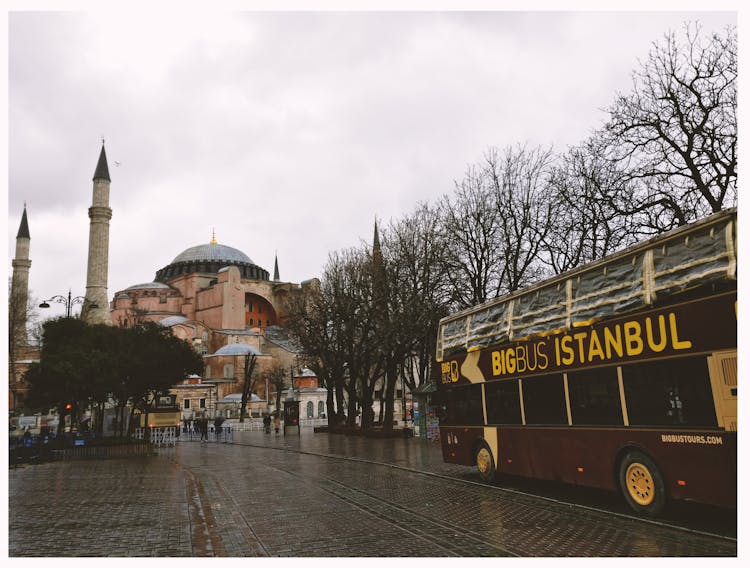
(214, 296)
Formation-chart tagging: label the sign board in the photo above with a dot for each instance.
(79, 442)
(24, 421)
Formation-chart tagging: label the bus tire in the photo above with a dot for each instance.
(485, 462)
(642, 484)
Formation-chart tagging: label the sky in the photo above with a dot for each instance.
(288, 132)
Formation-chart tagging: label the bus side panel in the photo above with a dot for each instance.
(696, 465)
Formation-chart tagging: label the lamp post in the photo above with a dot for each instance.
(68, 301)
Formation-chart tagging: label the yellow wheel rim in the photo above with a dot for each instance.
(484, 460)
(640, 484)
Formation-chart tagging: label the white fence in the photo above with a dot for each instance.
(255, 424)
(160, 437)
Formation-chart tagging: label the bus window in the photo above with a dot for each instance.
(503, 404)
(544, 400)
(595, 397)
(674, 392)
(463, 405)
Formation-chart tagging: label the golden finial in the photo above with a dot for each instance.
(213, 237)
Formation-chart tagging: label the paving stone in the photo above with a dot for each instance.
(288, 497)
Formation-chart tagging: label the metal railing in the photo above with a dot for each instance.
(224, 433)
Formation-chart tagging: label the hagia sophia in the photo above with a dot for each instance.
(211, 295)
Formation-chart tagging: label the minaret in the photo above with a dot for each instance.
(96, 305)
(379, 281)
(276, 268)
(20, 281)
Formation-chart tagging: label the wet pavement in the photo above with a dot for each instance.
(317, 495)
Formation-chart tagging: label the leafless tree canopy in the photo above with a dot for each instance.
(665, 156)
(675, 133)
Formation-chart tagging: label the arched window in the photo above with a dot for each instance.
(310, 409)
(321, 409)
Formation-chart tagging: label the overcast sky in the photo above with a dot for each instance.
(285, 132)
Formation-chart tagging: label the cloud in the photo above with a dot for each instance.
(285, 131)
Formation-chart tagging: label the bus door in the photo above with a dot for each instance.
(723, 370)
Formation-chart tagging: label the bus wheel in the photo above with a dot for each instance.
(485, 462)
(642, 484)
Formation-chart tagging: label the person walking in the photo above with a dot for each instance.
(277, 423)
(267, 423)
(203, 427)
(218, 426)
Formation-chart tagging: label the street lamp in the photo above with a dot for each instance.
(69, 302)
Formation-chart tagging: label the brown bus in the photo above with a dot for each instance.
(621, 374)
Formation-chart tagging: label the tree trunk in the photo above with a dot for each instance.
(391, 377)
(61, 420)
(247, 385)
(338, 386)
(351, 418)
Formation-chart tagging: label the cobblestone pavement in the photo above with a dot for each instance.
(250, 498)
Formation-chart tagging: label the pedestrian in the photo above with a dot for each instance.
(217, 426)
(203, 427)
(277, 423)
(267, 423)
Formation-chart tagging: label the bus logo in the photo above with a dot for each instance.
(449, 372)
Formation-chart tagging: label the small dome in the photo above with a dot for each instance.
(237, 397)
(236, 349)
(212, 252)
(306, 373)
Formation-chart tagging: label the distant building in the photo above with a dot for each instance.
(216, 298)
(311, 396)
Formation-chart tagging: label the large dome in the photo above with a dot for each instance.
(212, 252)
(210, 259)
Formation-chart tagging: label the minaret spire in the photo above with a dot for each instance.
(23, 229)
(96, 304)
(276, 267)
(376, 238)
(102, 171)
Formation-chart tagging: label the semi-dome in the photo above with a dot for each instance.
(210, 259)
(148, 286)
(172, 320)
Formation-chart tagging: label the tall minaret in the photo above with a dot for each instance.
(96, 305)
(19, 287)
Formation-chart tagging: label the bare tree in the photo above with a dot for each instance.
(470, 225)
(675, 133)
(276, 376)
(521, 195)
(309, 317)
(416, 260)
(250, 378)
(336, 326)
(587, 223)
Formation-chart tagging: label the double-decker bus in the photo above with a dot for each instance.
(620, 374)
